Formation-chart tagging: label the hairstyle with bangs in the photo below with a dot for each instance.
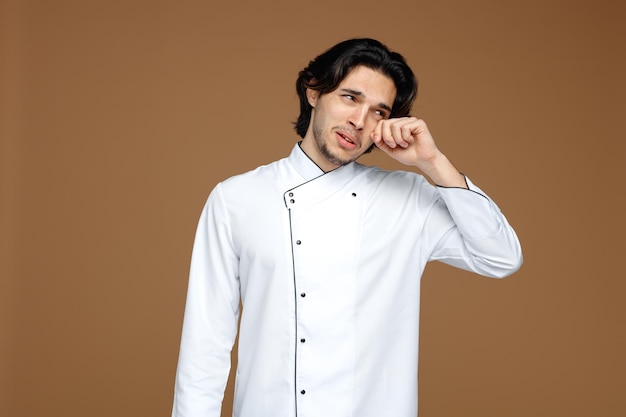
(325, 73)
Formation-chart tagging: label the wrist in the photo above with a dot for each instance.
(441, 171)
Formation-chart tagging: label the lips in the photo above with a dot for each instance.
(349, 139)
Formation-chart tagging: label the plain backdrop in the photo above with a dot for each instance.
(119, 117)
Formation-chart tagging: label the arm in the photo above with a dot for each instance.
(211, 316)
(468, 231)
(408, 141)
(478, 238)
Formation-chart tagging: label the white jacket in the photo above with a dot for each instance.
(327, 268)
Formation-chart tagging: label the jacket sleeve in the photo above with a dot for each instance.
(473, 234)
(211, 316)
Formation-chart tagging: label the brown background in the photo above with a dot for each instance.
(118, 118)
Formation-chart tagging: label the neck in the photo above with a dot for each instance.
(309, 147)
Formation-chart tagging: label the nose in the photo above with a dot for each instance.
(357, 118)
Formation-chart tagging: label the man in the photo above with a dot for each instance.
(326, 255)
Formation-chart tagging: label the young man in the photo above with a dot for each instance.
(326, 254)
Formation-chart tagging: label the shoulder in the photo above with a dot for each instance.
(398, 187)
(394, 179)
(250, 188)
(259, 176)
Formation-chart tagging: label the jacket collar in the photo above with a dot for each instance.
(309, 170)
(317, 183)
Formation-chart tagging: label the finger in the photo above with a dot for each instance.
(376, 134)
(403, 133)
(387, 133)
(409, 131)
(396, 134)
(420, 127)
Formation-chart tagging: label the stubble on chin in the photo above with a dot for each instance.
(326, 152)
(334, 159)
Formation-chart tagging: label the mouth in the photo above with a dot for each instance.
(347, 139)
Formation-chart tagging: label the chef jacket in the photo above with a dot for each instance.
(327, 267)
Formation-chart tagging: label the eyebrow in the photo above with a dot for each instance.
(360, 94)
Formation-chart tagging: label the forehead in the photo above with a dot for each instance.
(373, 84)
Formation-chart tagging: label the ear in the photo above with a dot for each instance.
(312, 96)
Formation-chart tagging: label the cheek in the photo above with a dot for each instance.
(366, 138)
(369, 128)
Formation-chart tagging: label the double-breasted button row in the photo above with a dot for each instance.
(289, 198)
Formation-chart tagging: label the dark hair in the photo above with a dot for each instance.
(325, 72)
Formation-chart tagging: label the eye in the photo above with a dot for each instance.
(349, 97)
(380, 114)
